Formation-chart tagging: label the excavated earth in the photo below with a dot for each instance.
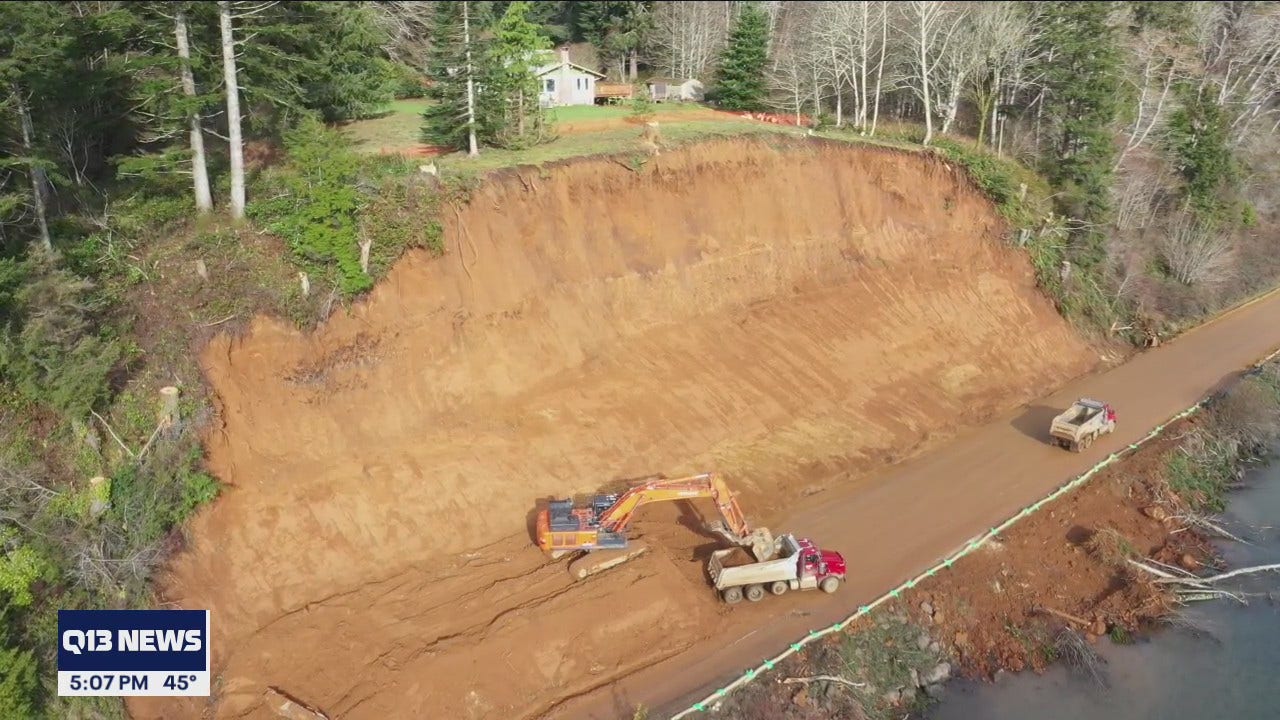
(791, 314)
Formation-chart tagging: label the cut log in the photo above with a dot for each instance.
(288, 707)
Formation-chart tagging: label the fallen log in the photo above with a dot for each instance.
(822, 678)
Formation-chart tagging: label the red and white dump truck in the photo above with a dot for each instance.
(799, 564)
(1082, 423)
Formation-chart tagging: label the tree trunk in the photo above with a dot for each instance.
(473, 148)
(995, 104)
(233, 111)
(924, 85)
(520, 110)
(817, 97)
(37, 175)
(953, 107)
(635, 65)
(863, 60)
(199, 170)
(884, 40)
(839, 108)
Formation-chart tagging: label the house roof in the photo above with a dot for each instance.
(543, 70)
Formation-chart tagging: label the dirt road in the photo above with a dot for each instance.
(795, 315)
(905, 520)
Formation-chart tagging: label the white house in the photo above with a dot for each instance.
(667, 90)
(564, 83)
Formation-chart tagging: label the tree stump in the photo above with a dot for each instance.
(99, 496)
(366, 244)
(170, 415)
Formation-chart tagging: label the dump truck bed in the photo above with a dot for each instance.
(784, 567)
(1078, 420)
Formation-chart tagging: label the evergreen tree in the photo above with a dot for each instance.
(510, 86)
(741, 81)
(19, 682)
(445, 119)
(1082, 77)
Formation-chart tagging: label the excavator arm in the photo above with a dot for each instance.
(562, 528)
(706, 485)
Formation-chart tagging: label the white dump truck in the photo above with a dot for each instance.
(799, 565)
(1082, 423)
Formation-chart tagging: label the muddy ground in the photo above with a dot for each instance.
(793, 316)
(1003, 608)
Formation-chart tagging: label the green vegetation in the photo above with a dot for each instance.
(112, 274)
(1243, 425)
(740, 82)
(19, 676)
(509, 79)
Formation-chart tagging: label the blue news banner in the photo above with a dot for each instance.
(133, 652)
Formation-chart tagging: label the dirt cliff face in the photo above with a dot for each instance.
(790, 317)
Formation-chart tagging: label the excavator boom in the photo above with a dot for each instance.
(601, 527)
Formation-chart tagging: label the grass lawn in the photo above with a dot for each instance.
(600, 143)
(399, 126)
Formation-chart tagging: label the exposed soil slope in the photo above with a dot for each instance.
(791, 317)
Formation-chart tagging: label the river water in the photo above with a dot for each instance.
(1231, 674)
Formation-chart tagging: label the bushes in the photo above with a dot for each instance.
(54, 351)
(313, 204)
(1244, 423)
(326, 199)
(19, 680)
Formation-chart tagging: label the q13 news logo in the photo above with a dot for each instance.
(133, 652)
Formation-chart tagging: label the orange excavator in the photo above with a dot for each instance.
(600, 528)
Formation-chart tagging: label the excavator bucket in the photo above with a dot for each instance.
(760, 541)
(601, 560)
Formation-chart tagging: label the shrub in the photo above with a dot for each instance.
(313, 205)
(19, 680)
(54, 351)
(642, 105)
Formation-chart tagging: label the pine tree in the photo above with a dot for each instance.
(741, 81)
(510, 86)
(1082, 80)
(19, 681)
(445, 121)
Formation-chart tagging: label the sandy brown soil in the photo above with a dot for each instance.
(793, 319)
(1002, 607)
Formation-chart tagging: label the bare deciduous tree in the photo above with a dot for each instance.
(408, 26)
(686, 37)
(932, 28)
(1240, 43)
(1195, 253)
(1136, 194)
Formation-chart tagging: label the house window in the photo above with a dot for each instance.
(578, 82)
(549, 85)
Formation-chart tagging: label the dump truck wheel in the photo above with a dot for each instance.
(778, 587)
(755, 593)
(732, 595)
(1088, 440)
(830, 585)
